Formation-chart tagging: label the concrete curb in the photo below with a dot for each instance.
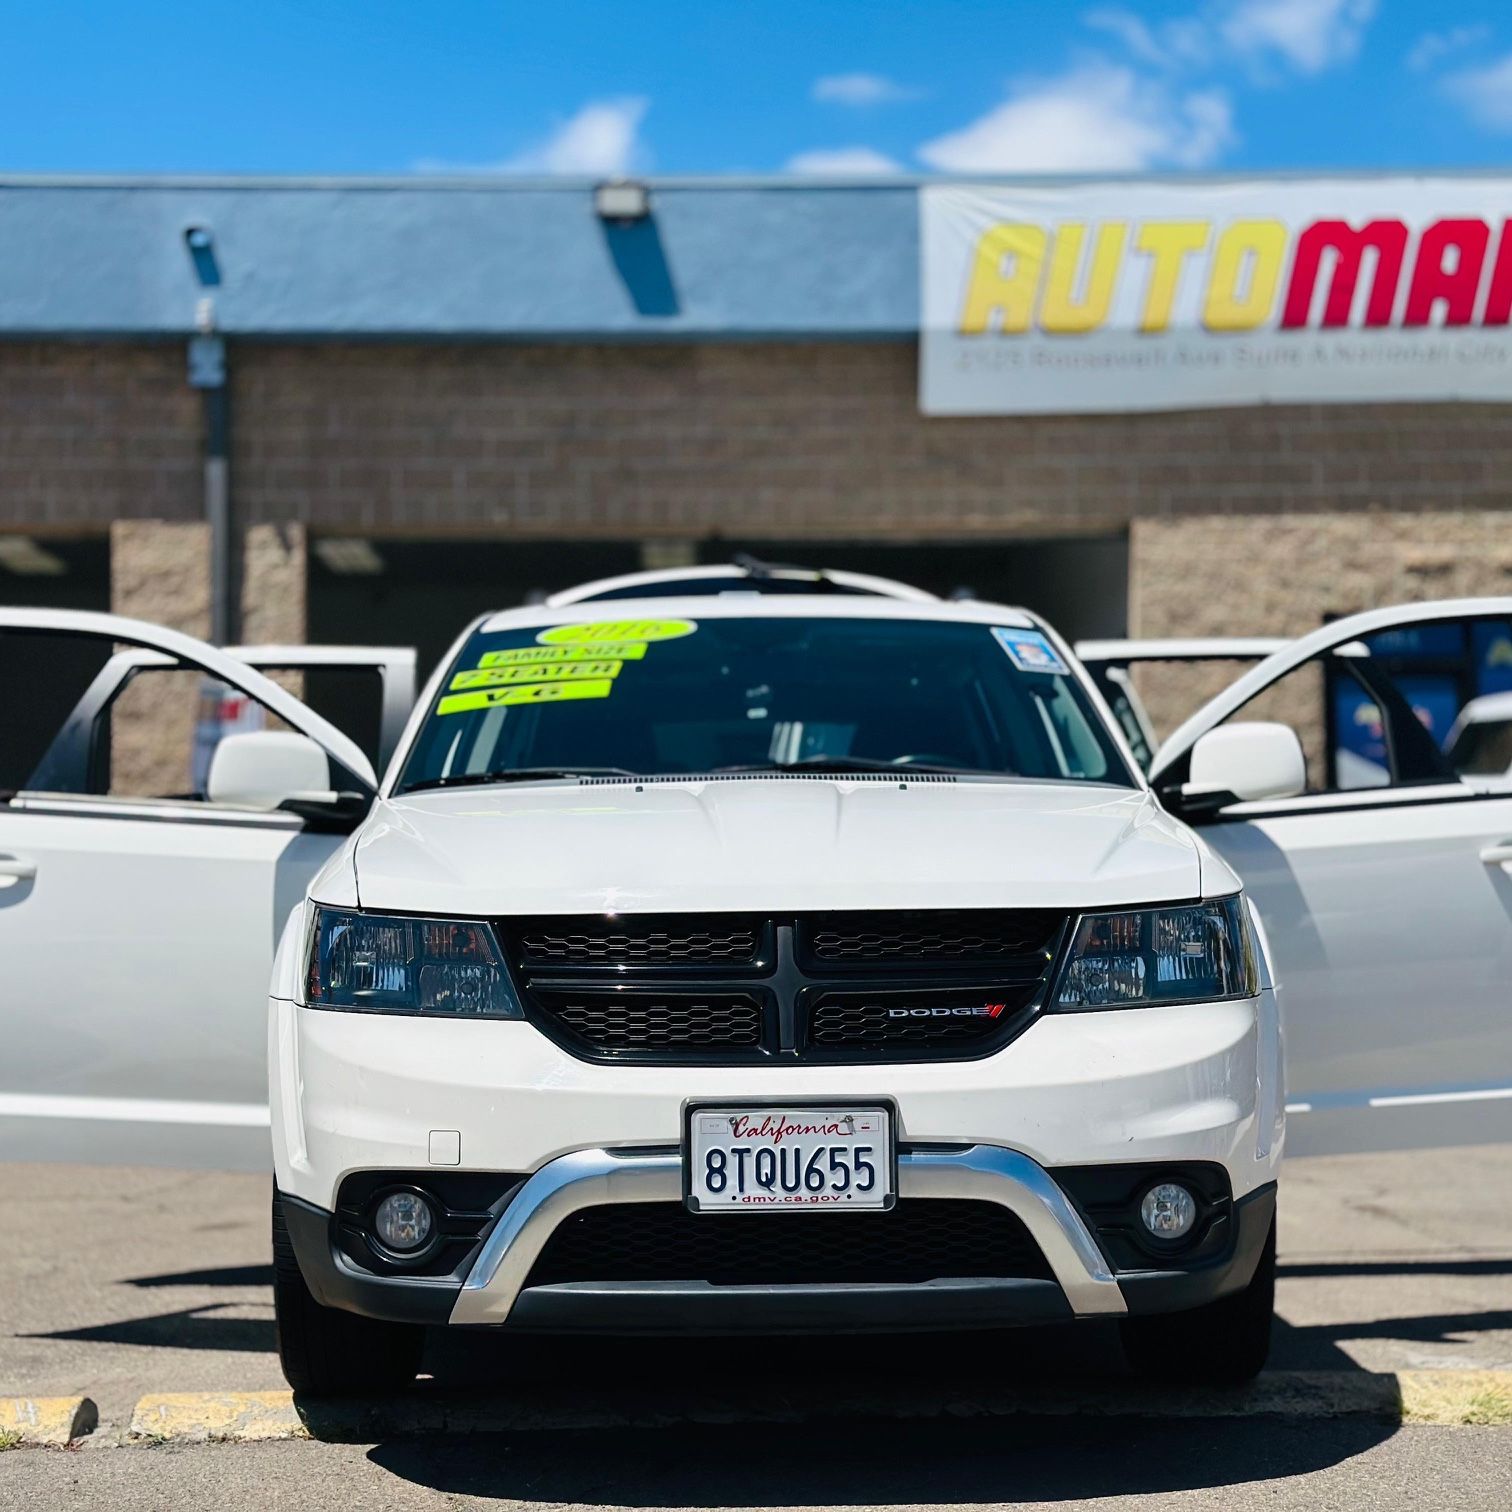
(51, 1422)
(1447, 1397)
(200, 1417)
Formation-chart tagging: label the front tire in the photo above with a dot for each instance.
(328, 1352)
(1225, 1343)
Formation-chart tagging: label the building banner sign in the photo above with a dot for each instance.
(1147, 296)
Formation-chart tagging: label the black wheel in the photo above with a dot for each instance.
(1223, 1344)
(326, 1351)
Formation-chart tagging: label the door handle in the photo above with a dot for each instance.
(1495, 855)
(20, 868)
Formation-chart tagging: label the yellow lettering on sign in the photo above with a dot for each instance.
(498, 677)
(1167, 244)
(1064, 311)
(1005, 277)
(1246, 268)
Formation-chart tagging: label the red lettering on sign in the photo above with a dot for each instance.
(1386, 238)
(1458, 285)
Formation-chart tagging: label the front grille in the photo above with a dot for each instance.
(656, 1020)
(636, 942)
(887, 1019)
(919, 1239)
(974, 936)
(723, 988)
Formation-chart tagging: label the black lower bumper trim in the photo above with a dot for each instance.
(335, 1282)
(697, 1307)
(1167, 1291)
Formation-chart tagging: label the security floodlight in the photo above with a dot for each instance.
(622, 201)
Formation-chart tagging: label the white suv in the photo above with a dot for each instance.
(803, 963)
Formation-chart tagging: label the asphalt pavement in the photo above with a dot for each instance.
(122, 1282)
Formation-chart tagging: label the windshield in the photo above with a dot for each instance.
(681, 696)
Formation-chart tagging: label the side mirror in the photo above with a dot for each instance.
(264, 769)
(1243, 762)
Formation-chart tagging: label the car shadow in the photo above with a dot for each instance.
(914, 1421)
(878, 1463)
(193, 1328)
(226, 1275)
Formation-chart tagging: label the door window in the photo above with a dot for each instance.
(1394, 708)
(93, 718)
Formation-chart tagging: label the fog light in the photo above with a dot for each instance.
(403, 1221)
(1168, 1211)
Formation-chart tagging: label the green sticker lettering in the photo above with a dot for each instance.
(498, 677)
(536, 693)
(589, 651)
(610, 630)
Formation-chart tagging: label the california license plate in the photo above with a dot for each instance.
(752, 1160)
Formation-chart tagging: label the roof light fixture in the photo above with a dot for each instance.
(349, 555)
(23, 556)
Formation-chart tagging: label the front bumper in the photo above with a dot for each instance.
(494, 1289)
(354, 1093)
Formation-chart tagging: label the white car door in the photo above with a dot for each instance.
(138, 918)
(1385, 888)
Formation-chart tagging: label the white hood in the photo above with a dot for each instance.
(770, 845)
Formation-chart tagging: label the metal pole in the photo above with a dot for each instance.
(223, 616)
(207, 372)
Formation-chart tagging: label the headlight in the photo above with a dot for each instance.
(1159, 955)
(380, 963)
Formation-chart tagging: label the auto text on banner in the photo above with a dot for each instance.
(1147, 296)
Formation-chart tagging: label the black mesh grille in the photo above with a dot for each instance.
(657, 1020)
(753, 988)
(898, 938)
(917, 1240)
(637, 942)
(853, 1019)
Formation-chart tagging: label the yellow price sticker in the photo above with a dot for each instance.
(497, 677)
(536, 693)
(589, 651)
(612, 630)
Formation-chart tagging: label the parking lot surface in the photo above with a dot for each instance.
(122, 1282)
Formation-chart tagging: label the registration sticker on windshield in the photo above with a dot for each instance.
(1029, 650)
(499, 677)
(537, 693)
(615, 630)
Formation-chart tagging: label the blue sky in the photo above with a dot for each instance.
(671, 86)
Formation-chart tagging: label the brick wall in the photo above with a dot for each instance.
(791, 440)
(778, 439)
(91, 434)
(1285, 574)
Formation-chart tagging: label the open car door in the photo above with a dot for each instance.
(148, 861)
(1384, 880)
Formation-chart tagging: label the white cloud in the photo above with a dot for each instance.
(843, 162)
(601, 138)
(861, 89)
(1182, 40)
(1310, 35)
(1431, 47)
(1097, 117)
(1485, 93)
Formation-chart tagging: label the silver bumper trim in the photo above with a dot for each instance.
(590, 1178)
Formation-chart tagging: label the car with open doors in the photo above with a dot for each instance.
(777, 963)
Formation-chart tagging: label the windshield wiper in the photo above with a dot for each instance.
(515, 774)
(845, 764)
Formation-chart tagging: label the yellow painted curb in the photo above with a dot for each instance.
(1418, 1396)
(216, 1416)
(52, 1421)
